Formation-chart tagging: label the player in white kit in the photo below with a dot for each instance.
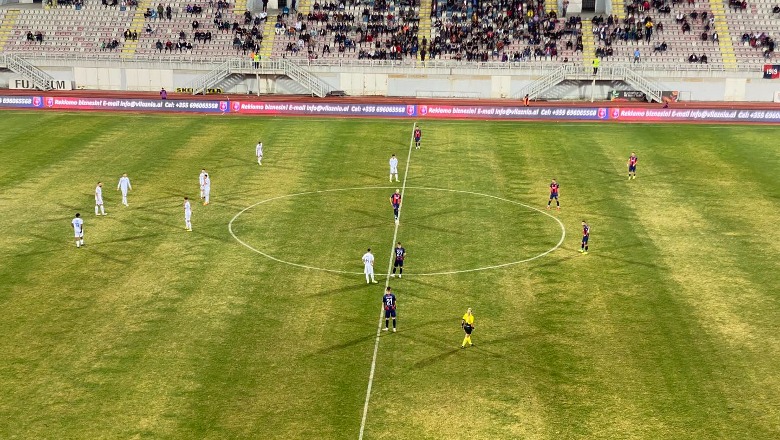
(393, 168)
(124, 185)
(259, 152)
(78, 229)
(187, 214)
(206, 189)
(99, 199)
(202, 179)
(368, 266)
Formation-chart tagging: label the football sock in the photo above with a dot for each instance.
(387, 321)
(393, 322)
(96, 210)
(81, 241)
(466, 339)
(78, 244)
(586, 248)
(102, 210)
(401, 270)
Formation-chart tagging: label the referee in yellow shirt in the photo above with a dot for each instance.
(467, 323)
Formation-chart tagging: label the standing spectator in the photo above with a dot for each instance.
(637, 55)
(265, 5)
(565, 7)
(596, 63)
(163, 94)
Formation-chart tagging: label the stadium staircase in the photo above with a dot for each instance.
(269, 36)
(40, 79)
(310, 82)
(553, 6)
(615, 72)
(619, 9)
(721, 26)
(129, 47)
(424, 28)
(588, 46)
(239, 7)
(8, 23)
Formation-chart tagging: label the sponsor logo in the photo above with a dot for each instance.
(423, 110)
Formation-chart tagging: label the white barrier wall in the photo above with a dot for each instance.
(499, 86)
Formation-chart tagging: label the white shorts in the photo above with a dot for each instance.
(368, 270)
(99, 201)
(124, 192)
(393, 170)
(79, 234)
(187, 216)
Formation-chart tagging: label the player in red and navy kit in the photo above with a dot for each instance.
(395, 200)
(585, 237)
(400, 254)
(417, 137)
(554, 194)
(388, 301)
(632, 166)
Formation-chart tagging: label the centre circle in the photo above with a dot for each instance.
(445, 227)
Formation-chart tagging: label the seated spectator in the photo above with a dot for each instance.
(39, 37)
(207, 37)
(126, 34)
(660, 27)
(743, 5)
(660, 47)
(134, 36)
(195, 24)
(704, 36)
(30, 36)
(693, 58)
(715, 38)
(159, 45)
(149, 29)
(679, 17)
(776, 10)
(703, 59)
(148, 13)
(168, 46)
(686, 27)
(189, 46)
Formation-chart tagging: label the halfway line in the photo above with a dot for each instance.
(387, 283)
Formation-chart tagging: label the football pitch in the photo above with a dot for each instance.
(259, 324)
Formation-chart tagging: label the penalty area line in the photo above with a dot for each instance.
(387, 283)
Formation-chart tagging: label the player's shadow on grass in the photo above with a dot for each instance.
(345, 289)
(427, 362)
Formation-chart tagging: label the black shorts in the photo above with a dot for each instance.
(389, 313)
(467, 328)
(398, 263)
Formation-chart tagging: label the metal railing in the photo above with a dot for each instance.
(19, 65)
(403, 66)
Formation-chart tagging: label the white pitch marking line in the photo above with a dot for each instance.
(422, 274)
(387, 283)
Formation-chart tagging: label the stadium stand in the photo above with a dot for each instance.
(726, 32)
(97, 28)
(69, 29)
(350, 30)
(506, 31)
(662, 32)
(754, 26)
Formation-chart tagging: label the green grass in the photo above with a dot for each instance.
(666, 330)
